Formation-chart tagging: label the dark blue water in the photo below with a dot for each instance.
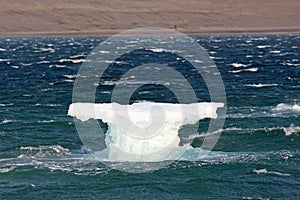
(261, 75)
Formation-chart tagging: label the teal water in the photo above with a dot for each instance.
(42, 156)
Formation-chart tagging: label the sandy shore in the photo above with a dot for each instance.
(32, 18)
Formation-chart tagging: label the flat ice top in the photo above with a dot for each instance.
(139, 112)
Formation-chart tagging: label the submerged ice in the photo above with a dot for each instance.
(145, 131)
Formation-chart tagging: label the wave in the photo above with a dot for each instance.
(275, 51)
(43, 151)
(254, 69)
(130, 82)
(198, 61)
(68, 81)
(70, 76)
(104, 52)
(113, 62)
(7, 169)
(265, 171)
(287, 107)
(291, 130)
(157, 50)
(291, 64)
(49, 105)
(79, 76)
(49, 49)
(263, 46)
(58, 66)
(238, 65)
(46, 121)
(4, 60)
(6, 121)
(287, 130)
(6, 104)
(81, 55)
(82, 162)
(43, 62)
(260, 85)
(74, 61)
(279, 111)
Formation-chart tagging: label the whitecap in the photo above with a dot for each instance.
(286, 107)
(263, 46)
(7, 169)
(291, 130)
(26, 64)
(69, 81)
(108, 83)
(204, 134)
(260, 171)
(265, 171)
(260, 85)
(254, 69)
(53, 105)
(113, 62)
(106, 92)
(43, 150)
(43, 62)
(47, 50)
(14, 67)
(144, 92)
(251, 70)
(157, 50)
(255, 198)
(6, 104)
(75, 61)
(259, 39)
(46, 121)
(166, 42)
(275, 51)
(69, 76)
(77, 56)
(46, 89)
(292, 64)
(6, 121)
(4, 60)
(104, 52)
(198, 61)
(1, 49)
(296, 107)
(58, 66)
(237, 65)
(216, 40)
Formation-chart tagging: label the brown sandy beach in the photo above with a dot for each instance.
(31, 18)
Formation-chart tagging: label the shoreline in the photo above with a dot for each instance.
(203, 32)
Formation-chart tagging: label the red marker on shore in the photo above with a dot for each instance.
(175, 27)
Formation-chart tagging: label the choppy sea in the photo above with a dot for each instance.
(260, 140)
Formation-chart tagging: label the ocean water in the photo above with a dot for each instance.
(42, 156)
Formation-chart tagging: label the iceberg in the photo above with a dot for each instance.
(146, 131)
